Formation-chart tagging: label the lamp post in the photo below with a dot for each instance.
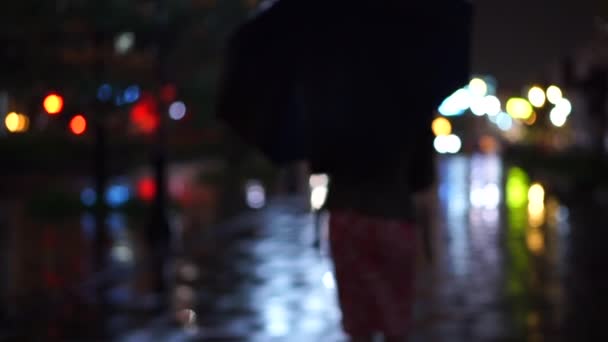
(159, 230)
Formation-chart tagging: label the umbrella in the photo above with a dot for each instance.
(256, 96)
(336, 82)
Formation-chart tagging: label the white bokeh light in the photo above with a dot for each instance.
(177, 110)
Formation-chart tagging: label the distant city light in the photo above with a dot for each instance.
(516, 188)
(536, 194)
(53, 104)
(448, 144)
(537, 97)
(492, 105)
(88, 197)
(441, 126)
(131, 94)
(177, 110)
(124, 42)
(487, 197)
(78, 125)
(531, 120)
(558, 118)
(456, 104)
(117, 195)
(255, 194)
(146, 189)
(554, 94)
(17, 123)
(564, 106)
(478, 106)
(519, 108)
(104, 93)
(536, 205)
(478, 87)
(504, 121)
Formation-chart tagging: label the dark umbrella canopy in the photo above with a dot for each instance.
(336, 82)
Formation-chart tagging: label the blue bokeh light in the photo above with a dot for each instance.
(88, 196)
(117, 195)
(131, 94)
(104, 93)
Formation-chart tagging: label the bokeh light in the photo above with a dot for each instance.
(441, 127)
(53, 104)
(554, 94)
(557, 117)
(117, 195)
(492, 105)
(536, 194)
(144, 114)
(478, 87)
(88, 197)
(78, 124)
(537, 97)
(448, 144)
(519, 108)
(478, 106)
(124, 42)
(177, 110)
(517, 187)
(532, 119)
(457, 103)
(146, 189)
(255, 194)
(17, 123)
(104, 93)
(131, 94)
(504, 121)
(564, 106)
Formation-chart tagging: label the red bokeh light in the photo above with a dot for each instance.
(144, 114)
(168, 93)
(146, 189)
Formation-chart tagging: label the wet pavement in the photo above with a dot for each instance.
(511, 263)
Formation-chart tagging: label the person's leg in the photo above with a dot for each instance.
(348, 244)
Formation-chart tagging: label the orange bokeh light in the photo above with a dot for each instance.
(53, 104)
(78, 124)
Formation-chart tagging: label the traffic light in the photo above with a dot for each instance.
(53, 104)
(78, 124)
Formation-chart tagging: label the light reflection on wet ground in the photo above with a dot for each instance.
(501, 272)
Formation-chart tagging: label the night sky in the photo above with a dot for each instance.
(515, 40)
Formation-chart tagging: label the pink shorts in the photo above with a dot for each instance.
(374, 266)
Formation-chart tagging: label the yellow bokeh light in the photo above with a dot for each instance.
(519, 108)
(478, 87)
(53, 104)
(12, 122)
(537, 97)
(554, 94)
(536, 194)
(442, 127)
(535, 241)
(17, 123)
